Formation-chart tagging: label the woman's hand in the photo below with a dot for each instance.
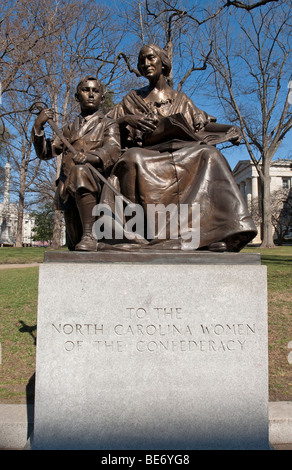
(140, 122)
(234, 135)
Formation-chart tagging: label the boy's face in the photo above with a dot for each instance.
(89, 95)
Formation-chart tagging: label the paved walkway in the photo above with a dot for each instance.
(23, 265)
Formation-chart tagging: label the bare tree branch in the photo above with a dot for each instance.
(194, 68)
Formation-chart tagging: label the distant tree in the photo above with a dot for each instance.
(252, 61)
(5, 138)
(2, 179)
(44, 224)
(174, 25)
(45, 48)
(108, 102)
(69, 56)
(24, 31)
(281, 213)
(24, 163)
(282, 218)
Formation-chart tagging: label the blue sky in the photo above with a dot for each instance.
(212, 106)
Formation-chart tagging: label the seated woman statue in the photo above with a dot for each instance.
(169, 158)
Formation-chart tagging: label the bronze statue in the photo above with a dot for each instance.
(97, 143)
(170, 157)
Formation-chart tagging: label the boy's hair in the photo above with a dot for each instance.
(85, 79)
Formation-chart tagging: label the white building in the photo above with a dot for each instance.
(247, 179)
(9, 226)
(8, 221)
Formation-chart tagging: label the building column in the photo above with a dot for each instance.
(254, 187)
(242, 189)
(248, 191)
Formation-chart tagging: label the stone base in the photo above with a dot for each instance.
(159, 355)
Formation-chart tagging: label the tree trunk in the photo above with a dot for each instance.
(267, 232)
(169, 50)
(18, 241)
(56, 240)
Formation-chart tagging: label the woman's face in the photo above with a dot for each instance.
(150, 64)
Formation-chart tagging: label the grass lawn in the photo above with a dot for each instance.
(11, 255)
(279, 263)
(18, 312)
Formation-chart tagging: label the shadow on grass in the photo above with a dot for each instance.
(282, 260)
(28, 329)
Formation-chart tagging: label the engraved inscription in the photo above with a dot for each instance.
(156, 329)
(235, 328)
(85, 329)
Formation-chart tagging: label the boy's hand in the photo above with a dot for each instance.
(42, 118)
(81, 158)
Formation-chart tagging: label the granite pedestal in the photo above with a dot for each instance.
(151, 351)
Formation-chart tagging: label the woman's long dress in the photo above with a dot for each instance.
(172, 168)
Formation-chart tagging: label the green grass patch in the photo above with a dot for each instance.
(18, 317)
(279, 268)
(11, 255)
(18, 313)
(27, 255)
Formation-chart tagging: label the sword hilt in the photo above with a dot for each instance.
(37, 107)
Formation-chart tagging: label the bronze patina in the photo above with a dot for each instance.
(94, 146)
(170, 157)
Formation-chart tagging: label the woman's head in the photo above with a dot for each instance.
(157, 51)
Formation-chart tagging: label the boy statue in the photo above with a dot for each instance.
(97, 142)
